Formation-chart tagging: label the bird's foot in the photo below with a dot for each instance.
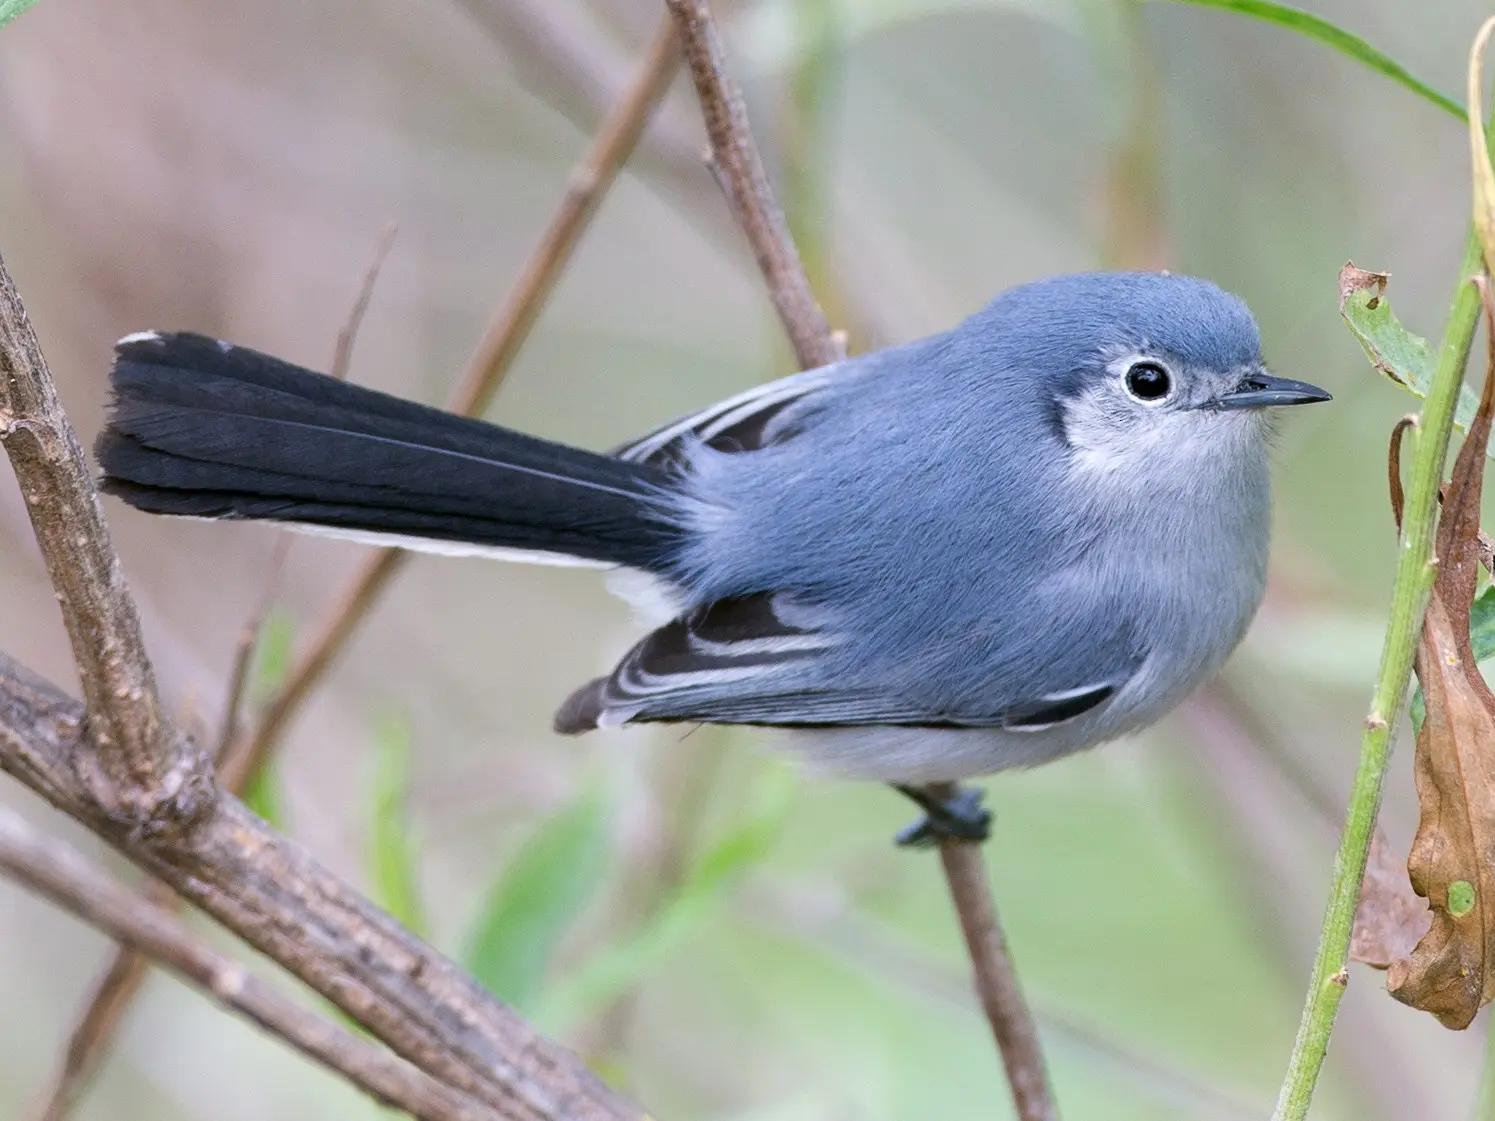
(951, 812)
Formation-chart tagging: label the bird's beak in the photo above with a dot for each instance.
(1260, 389)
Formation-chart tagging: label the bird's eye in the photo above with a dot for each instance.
(1148, 381)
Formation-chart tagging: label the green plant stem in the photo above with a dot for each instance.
(1414, 579)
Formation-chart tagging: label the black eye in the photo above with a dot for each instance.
(1148, 381)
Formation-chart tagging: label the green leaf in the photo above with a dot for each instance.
(1481, 637)
(265, 795)
(393, 855)
(272, 655)
(620, 967)
(1405, 358)
(9, 9)
(537, 897)
(1337, 38)
(773, 33)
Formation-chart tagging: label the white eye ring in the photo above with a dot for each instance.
(1149, 381)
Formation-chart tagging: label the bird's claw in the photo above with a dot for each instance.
(950, 813)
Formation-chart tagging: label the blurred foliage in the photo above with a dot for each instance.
(273, 648)
(792, 33)
(1323, 31)
(393, 853)
(9, 9)
(537, 896)
(705, 889)
(264, 794)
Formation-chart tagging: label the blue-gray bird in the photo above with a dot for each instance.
(984, 549)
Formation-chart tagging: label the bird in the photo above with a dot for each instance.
(988, 548)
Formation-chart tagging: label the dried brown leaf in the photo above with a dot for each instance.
(1391, 918)
(1394, 466)
(1353, 279)
(1451, 971)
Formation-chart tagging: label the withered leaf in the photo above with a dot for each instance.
(1451, 971)
(1391, 918)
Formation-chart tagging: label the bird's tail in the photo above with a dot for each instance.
(199, 428)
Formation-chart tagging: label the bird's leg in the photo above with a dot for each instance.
(950, 811)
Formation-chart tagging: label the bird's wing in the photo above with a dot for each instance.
(756, 659)
(761, 416)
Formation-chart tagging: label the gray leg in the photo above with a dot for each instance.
(950, 811)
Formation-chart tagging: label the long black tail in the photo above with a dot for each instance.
(203, 429)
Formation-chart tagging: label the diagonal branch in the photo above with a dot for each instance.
(741, 174)
(502, 339)
(112, 993)
(97, 767)
(282, 902)
(51, 869)
(156, 781)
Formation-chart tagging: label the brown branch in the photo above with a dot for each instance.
(157, 782)
(996, 981)
(495, 354)
(201, 841)
(342, 353)
(735, 157)
(121, 979)
(54, 871)
(283, 903)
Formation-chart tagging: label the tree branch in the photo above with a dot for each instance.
(202, 842)
(51, 869)
(156, 782)
(996, 981)
(741, 174)
(94, 1030)
(739, 168)
(282, 902)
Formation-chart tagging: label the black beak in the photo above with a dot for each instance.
(1261, 390)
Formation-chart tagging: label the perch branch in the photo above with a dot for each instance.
(751, 197)
(1011, 1020)
(120, 980)
(500, 344)
(54, 871)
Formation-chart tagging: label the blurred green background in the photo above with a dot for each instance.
(722, 937)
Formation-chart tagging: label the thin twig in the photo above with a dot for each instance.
(822, 916)
(97, 1024)
(342, 354)
(997, 986)
(158, 782)
(736, 156)
(243, 660)
(495, 354)
(112, 994)
(53, 870)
